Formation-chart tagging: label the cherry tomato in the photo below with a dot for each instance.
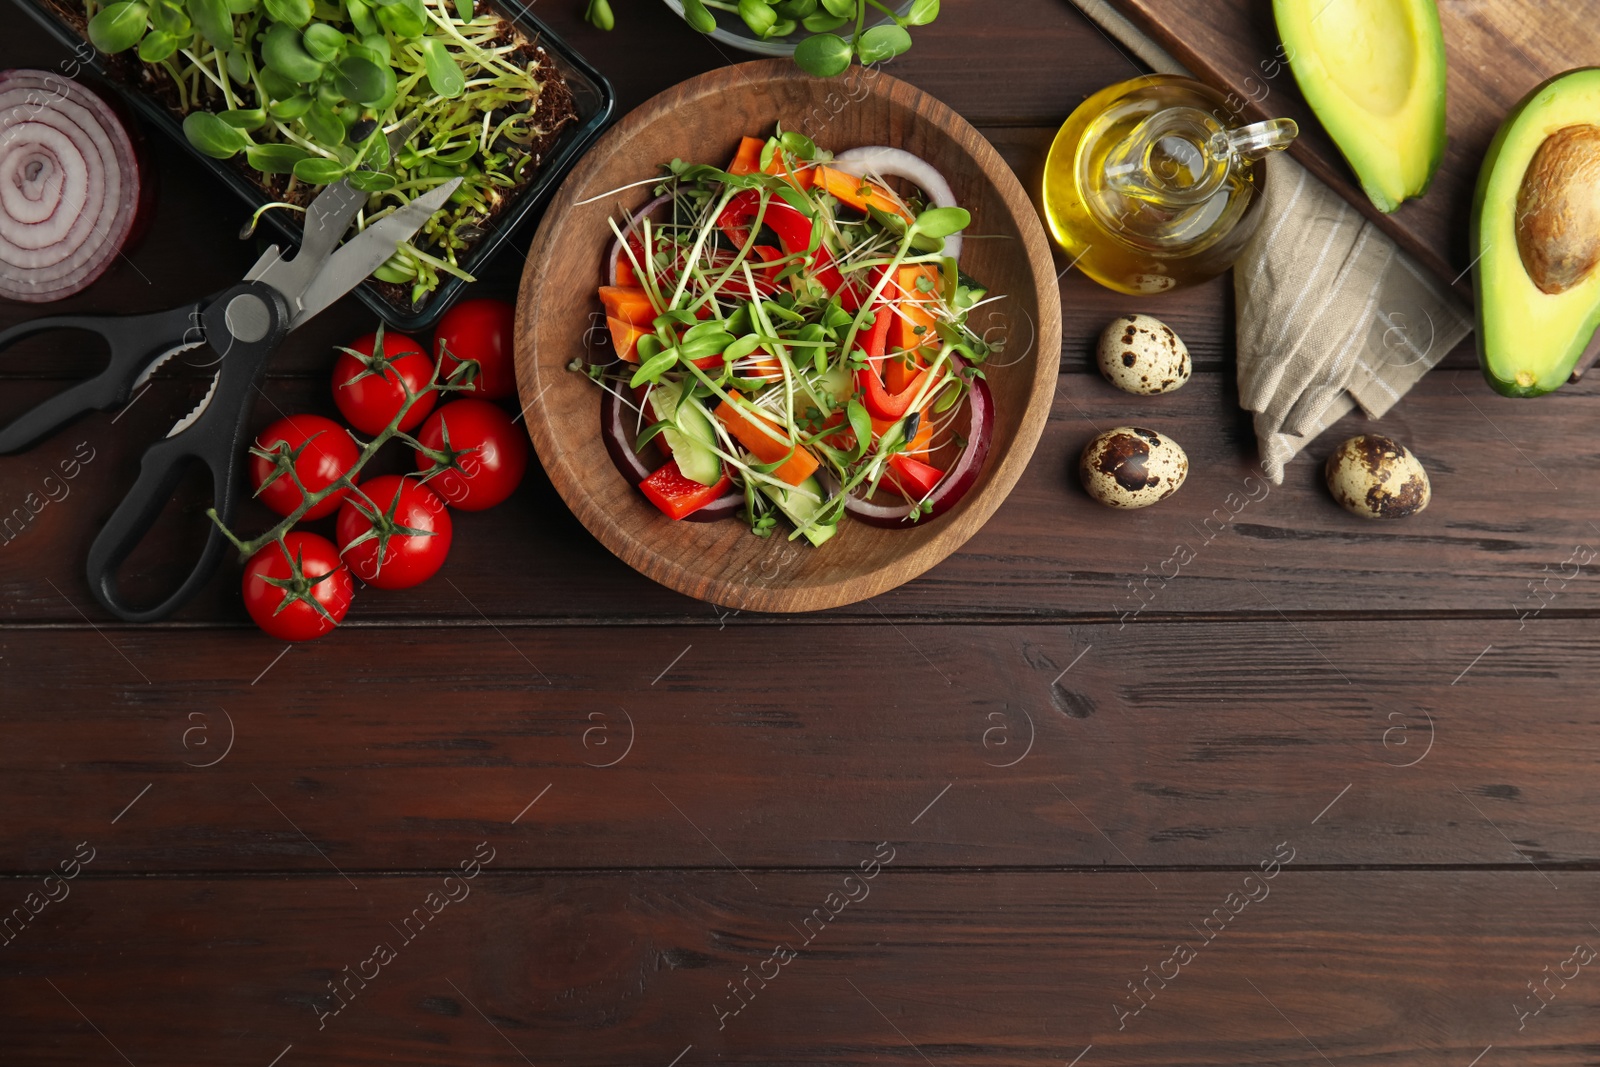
(367, 388)
(411, 528)
(483, 330)
(491, 453)
(325, 452)
(286, 610)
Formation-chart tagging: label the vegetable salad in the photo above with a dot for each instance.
(791, 332)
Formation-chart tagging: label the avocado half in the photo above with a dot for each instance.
(1536, 236)
(1374, 73)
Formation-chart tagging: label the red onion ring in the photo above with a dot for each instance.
(633, 224)
(955, 484)
(888, 162)
(619, 438)
(69, 186)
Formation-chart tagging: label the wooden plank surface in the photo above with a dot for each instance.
(961, 968)
(1408, 707)
(1495, 54)
(1089, 745)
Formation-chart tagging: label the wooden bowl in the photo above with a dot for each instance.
(559, 320)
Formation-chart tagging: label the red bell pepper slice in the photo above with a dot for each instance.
(881, 403)
(877, 336)
(914, 476)
(678, 496)
(794, 234)
(766, 278)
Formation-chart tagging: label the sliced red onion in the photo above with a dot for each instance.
(898, 163)
(617, 432)
(69, 186)
(618, 436)
(725, 506)
(960, 478)
(633, 224)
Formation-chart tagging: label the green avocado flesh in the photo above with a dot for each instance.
(1373, 71)
(1536, 236)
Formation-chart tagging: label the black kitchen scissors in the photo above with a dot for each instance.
(243, 325)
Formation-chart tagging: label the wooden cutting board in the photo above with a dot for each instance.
(1496, 50)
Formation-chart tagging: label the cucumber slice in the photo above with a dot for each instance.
(800, 509)
(837, 382)
(691, 436)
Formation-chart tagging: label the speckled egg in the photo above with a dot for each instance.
(1131, 467)
(1140, 354)
(1377, 478)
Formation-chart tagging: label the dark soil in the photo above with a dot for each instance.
(553, 111)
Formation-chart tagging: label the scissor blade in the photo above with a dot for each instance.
(199, 409)
(267, 259)
(402, 132)
(146, 374)
(318, 214)
(366, 252)
(327, 218)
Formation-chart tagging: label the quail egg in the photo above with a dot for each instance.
(1377, 478)
(1131, 467)
(1140, 354)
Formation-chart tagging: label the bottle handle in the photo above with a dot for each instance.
(1211, 151)
(1259, 138)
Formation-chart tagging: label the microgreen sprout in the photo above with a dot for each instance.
(824, 52)
(306, 92)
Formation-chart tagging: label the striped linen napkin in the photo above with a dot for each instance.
(1331, 314)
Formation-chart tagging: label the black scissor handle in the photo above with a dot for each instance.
(216, 440)
(135, 342)
(160, 471)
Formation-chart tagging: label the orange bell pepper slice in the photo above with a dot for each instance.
(912, 306)
(625, 336)
(747, 160)
(799, 466)
(764, 366)
(859, 193)
(901, 372)
(918, 446)
(627, 277)
(629, 305)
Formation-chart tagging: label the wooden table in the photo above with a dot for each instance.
(1305, 790)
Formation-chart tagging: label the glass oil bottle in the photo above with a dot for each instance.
(1149, 187)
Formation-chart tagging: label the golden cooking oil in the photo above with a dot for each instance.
(1150, 186)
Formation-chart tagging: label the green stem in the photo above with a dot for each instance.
(200, 68)
(898, 21)
(178, 83)
(460, 378)
(223, 80)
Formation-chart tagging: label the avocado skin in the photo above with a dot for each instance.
(1557, 371)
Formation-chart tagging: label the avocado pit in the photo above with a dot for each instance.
(1558, 209)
